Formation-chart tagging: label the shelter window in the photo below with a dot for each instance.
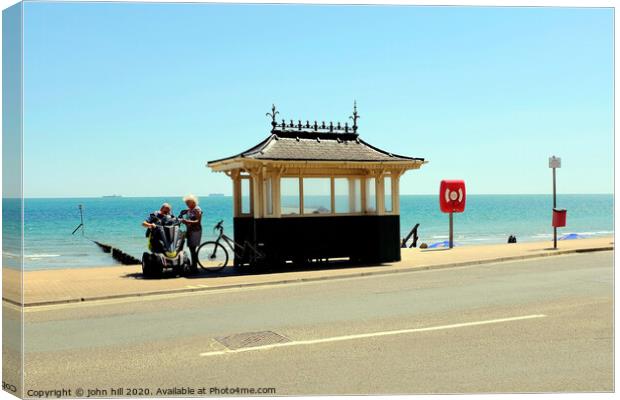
(289, 196)
(347, 195)
(371, 195)
(317, 195)
(387, 193)
(245, 197)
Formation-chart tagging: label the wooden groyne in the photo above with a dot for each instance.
(118, 254)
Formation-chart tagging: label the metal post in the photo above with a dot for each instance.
(555, 230)
(555, 162)
(82, 219)
(451, 231)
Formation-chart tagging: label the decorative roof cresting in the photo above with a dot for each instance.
(308, 127)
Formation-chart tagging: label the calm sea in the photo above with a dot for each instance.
(116, 221)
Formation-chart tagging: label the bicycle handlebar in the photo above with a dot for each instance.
(219, 226)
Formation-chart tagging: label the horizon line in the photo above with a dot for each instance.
(230, 195)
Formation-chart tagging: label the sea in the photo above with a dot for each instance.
(50, 244)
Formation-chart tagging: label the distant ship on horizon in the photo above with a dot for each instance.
(216, 195)
(111, 196)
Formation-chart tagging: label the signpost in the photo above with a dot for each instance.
(554, 162)
(452, 199)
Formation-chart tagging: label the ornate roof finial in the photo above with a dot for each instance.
(273, 114)
(355, 116)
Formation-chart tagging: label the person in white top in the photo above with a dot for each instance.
(192, 218)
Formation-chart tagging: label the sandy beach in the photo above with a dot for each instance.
(75, 285)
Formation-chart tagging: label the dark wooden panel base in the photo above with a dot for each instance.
(363, 238)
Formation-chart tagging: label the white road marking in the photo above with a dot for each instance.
(370, 335)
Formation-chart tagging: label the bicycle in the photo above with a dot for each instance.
(212, 255)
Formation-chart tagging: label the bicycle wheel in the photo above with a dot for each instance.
(212, 256)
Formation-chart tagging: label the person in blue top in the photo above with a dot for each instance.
(164, 212)
(192, 218)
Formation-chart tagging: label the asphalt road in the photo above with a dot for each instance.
(543, 325)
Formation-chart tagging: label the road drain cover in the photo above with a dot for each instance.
(251, 339)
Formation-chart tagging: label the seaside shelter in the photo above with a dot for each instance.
(313, 191)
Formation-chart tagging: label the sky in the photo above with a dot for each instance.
(135, 98)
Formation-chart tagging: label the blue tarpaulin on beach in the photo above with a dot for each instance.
(445, 243)
(572, 236)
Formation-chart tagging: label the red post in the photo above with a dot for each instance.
(451, 230)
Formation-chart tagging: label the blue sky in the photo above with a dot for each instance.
(135, 98)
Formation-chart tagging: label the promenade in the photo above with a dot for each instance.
(89, 284)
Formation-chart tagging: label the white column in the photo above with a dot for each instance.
(236, 193)
(301, 195)
(396, 193)
(257, 193)
(332, 189)
(363, 184)
(275, 187)
(380, 195)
